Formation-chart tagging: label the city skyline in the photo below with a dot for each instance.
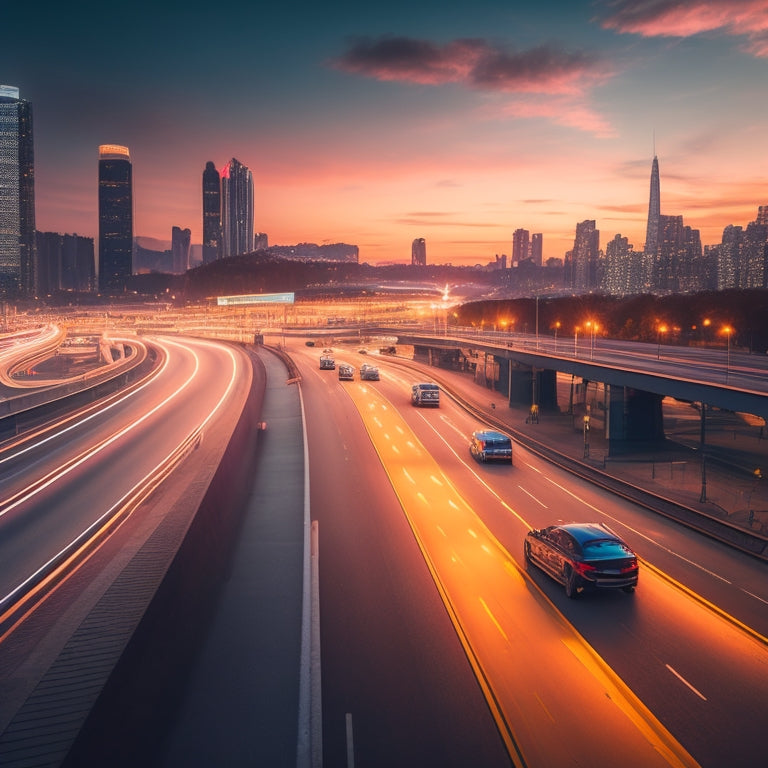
(379, 125)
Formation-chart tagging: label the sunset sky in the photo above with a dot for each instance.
(376, 123)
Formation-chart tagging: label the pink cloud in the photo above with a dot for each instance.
(572, 113)
(474, 63)
(685, 18)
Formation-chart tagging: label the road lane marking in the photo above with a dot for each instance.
(493, 619)
(528, 493)
(685, 682)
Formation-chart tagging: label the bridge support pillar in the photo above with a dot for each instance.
(527, 386)
(635, 420)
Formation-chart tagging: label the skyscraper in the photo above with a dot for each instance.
(419, 252)
(537, 248)
(520, 246)
(211, 214)
(115, 218)
(654, 210)
(181, 244)
(17, 196)
(236, 209)
(585, 256)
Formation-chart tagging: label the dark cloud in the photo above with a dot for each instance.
(475, 63)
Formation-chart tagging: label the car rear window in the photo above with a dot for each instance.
(605, 548)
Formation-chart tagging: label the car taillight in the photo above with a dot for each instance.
(584, 568)
(631, 567)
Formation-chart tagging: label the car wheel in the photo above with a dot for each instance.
(571, 584)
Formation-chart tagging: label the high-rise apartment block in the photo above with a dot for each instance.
(211, 214)
(65, 263)
(537, 248)
(181, 247)
(115, 218)
(520, 246)
(583, 274)
(17, 196)
(236, 209)
(419, 252)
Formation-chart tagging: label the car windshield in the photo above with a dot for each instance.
(603, 548)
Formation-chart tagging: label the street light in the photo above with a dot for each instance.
(557, 325)
(728, 331)
(662, 329)
(593, 326)
(576, 342)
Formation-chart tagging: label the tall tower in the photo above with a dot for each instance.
(17, 196)
(211, 214)
(115, 218)
(654, 210)
(520, 246)
(419, 252)
(236, 209)
(586, 252)
(181, 244)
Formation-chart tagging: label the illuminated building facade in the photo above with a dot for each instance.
(585, 257)
(17, 196)
(236, 209)
(211, 214)
(115, 218)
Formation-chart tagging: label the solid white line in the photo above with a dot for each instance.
(683, 680)
(528, 493)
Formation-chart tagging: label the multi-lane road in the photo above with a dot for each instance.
(438, 645)
(68, 488)
(421, 564)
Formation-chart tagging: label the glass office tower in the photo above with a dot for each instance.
(17, 196)
(115, 218)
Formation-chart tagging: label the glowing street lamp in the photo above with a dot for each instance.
(557, 325)
(728, 331)
(662, 329)
(593, 327)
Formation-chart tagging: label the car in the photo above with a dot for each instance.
(425, 394)
(369, 372)
(327, 363)
(489, 445)
(310, 343)
(582, 556)
(346, 372)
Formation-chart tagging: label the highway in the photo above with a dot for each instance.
(72, 487)
(438, 645)
(673, 675)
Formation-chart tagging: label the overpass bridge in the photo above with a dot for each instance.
(636, 376)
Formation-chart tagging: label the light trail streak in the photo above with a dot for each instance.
(21, 588)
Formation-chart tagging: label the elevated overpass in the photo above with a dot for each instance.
(637, 376)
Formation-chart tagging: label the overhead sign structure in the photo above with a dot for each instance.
(255, 298)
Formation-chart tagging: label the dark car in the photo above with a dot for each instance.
(582, 556)
(489, 445)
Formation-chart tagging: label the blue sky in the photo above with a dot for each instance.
(378, 123)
